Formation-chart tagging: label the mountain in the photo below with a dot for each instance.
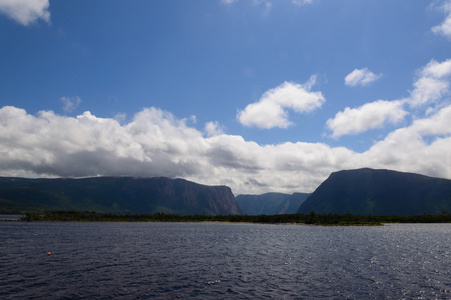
(116, 195)
(380, 192)
(271, 203)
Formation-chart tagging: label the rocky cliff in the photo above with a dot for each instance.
(380, 192)
(117, 195)
(271, 203)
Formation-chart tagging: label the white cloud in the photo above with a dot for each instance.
(433, 83)
(445, 27)
(26, 12)
(438, 124)
(155, 143)
(368, 116)
(431, 87)
(70, 103)
(270, 111)
(212, 129)
(406, 148)
(436, 69)
(361, 77)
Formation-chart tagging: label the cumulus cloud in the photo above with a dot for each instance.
(70, 103)
(407, 148)
(430, 91)
(156, 143)
(361, 77)
(26, 12)
(436, 69)
(445, 27)
(49, 144)
(271, 109)
(368, 116)
(433, 83)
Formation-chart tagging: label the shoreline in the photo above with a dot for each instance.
(288, 219)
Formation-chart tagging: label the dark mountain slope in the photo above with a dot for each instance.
(271, 203)
(117, 195)
(380, 192)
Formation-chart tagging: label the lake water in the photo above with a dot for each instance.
(223, 261)
(10, 217)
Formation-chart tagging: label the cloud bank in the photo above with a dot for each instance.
(155, 143)
(271, 109)
(26, 12)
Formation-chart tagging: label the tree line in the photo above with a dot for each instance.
(311, 218)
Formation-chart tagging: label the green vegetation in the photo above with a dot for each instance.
(311, 218)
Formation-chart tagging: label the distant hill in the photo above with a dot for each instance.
(271, 203)
(116, 195)
(380, 192)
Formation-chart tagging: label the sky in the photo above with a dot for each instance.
(259, 95)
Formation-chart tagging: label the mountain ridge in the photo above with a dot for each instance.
(271, 203)
(380, 192)
(117, 195)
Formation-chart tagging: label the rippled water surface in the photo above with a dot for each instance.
(223, 261)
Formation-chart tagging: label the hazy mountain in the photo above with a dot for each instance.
(116, 195)
(271, 203)
(380, 192)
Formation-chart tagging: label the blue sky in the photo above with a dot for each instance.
(258, 95)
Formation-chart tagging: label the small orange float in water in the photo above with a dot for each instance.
(48, 253)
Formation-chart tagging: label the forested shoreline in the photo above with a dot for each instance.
(311, 218)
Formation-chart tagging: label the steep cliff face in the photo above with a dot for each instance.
(271, 203)
(117, 195)
(183, 195)
(380, 192)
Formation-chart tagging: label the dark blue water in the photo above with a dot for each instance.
(223, 261)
